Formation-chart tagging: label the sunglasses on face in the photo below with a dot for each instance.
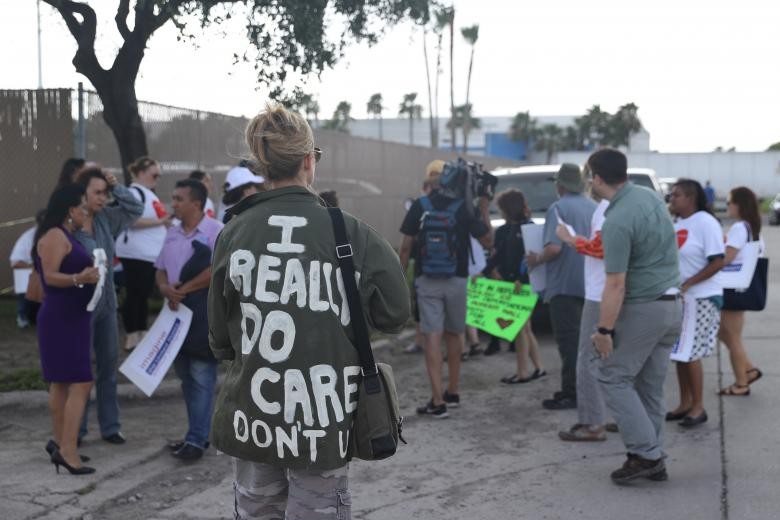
(317, 154)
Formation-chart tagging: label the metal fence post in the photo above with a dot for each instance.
(81, 138)
(200, 138)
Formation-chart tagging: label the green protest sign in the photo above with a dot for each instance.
(493, 306)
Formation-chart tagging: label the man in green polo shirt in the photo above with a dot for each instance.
(640, 316)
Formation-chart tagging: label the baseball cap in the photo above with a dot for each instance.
(240, 176)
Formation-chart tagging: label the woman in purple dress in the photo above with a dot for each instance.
(68, 280)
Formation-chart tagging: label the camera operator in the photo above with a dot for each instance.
(437, 226)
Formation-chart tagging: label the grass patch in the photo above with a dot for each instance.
(22, 379)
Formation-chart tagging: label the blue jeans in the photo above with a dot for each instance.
(105, 345)
(198, 379)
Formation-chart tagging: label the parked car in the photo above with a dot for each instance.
(536, 183)
(774, 211)
(666, 185)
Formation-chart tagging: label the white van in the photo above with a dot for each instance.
(536, 183)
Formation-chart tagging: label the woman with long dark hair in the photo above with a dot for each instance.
(68, 280)
(742, 206)
(700, 242)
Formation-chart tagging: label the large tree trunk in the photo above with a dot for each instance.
(120, 112)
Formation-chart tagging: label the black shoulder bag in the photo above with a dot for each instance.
(376, 428)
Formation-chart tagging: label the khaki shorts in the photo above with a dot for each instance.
(442, 304)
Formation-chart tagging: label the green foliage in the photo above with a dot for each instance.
(408, 107)
(595, 128)
(470, 34)
(374, 105)
(549, 139)
(523, 127)
(774, 147)
(22, 379)
(464, 113)
(341, 118)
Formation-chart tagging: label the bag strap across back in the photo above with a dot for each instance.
(362, 341)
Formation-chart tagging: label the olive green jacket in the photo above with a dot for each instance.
(277, 312)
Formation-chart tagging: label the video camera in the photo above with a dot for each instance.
(463, 179)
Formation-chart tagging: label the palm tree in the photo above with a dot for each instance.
(451, 23)
(310, 107)
(523, 129)
(623, 124)
(413, 110)
(374, 107)
(434, 139)
(593, 127)
(463, 119)
(549, 139)
(442, 17)
(471, 35)
(341, 118)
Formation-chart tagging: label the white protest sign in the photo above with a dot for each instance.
(739, 273)
(564, 224)
(21, 279)
(101, 262)
(533, 240)
(147, 364)
(684, 346)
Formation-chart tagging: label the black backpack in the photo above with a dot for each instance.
(437, 240)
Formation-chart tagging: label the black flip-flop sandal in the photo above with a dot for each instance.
(514, 380)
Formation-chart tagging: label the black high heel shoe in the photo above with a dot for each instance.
(58, 460)
(52, 446)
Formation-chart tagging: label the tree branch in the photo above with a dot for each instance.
(83, 32)
(121, 18)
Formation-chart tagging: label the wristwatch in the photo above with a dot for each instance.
(606, 332)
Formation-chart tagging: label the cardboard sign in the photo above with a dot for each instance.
(494, 307)
(150, 360)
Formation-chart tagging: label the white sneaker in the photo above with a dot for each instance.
(22, 323)
(131, 341)
(413, 348)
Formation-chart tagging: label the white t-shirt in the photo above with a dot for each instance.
(22, 251)
(595, 277)
(209, 209)
(143, 244)
(738, 237)
(699, 237)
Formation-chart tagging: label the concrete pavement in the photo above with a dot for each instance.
(497, 456)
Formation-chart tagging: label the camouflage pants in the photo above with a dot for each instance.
(263, 492)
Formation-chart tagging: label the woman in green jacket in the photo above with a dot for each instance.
(278, 312)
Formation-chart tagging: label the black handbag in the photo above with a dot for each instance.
(754, 297)
(376, 427)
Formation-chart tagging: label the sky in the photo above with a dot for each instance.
(703, 73)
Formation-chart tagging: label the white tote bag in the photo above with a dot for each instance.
(739, 273)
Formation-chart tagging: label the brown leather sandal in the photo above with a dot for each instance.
(756, 377)
(735, 389)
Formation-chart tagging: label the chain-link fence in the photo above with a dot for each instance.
(39, 129)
